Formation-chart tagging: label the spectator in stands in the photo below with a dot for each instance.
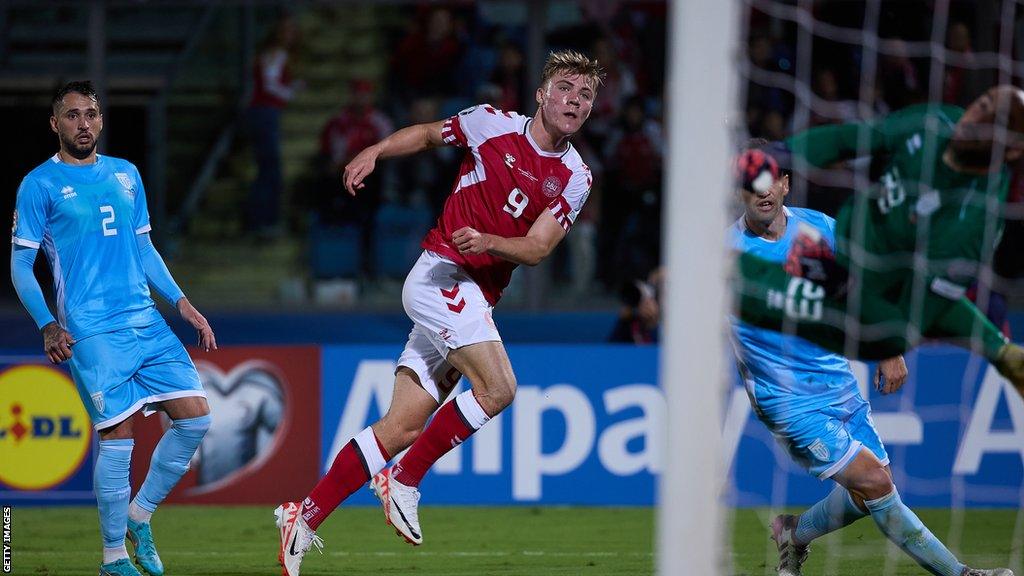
(508, 77)
(634, 148)
(830, 107)
(425, 179)
(273, 88)
(639, 315)
(479, 59)
(348, 131)
(959, 84)
(356, 126)
(582, 243)
(774, 126)
(899, 78)
(619, 86)
(425, 60)
(766, 54)
(631, 221)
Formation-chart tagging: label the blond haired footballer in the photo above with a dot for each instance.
(519, 189)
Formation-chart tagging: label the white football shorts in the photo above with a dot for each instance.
(448, 311)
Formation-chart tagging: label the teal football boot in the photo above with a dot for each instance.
(141, 537)
(122, 567)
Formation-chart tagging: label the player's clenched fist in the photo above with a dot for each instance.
(469, 241)
(890, 375)
(359, 168)
(57, 343)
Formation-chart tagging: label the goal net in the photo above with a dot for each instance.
(914, 225)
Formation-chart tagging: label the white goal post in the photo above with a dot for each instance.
(701, 96)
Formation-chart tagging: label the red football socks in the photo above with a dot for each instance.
(354, 465)
(451, 426)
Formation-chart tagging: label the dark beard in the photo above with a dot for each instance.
(75, 151)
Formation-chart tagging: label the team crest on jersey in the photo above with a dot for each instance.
(97, 401)
(126, 182)
(552, 186)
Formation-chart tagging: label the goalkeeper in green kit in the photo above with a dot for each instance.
(908, 246)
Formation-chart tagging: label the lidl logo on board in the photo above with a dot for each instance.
(45, 431)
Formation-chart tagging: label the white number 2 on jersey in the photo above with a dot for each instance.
(109, 210)
(517, 202)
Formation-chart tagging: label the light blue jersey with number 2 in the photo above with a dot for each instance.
(85, 219)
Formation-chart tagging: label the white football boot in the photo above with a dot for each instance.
(993, 572)
(401, 506)
(296, 538)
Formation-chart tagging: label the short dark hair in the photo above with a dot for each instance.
(83, 87)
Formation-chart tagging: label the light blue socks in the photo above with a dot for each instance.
(112, 488)
(828, 515)
(905, 529)
(170, 461)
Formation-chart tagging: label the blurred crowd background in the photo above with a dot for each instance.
(862, 64)
(241, 115)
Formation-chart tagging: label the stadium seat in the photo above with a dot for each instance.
(334, 251)
(397, 240)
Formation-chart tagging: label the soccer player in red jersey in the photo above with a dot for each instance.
(519, 189)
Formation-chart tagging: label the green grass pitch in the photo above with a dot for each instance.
(477, 541)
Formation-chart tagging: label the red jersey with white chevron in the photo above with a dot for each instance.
(504, 184)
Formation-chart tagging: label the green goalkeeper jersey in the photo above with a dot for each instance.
(919, 205)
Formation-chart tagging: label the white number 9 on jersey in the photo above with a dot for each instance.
(517, 202)
(109, 210)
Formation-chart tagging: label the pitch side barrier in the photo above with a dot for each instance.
(587, 427)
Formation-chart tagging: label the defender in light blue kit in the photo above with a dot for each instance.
(809, 399)
(88, 213)
(806, 395)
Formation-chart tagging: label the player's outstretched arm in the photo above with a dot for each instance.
(530, 250)
(408, 140)
(822, 146)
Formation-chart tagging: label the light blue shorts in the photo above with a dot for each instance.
(118, 373)
(826, 439)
